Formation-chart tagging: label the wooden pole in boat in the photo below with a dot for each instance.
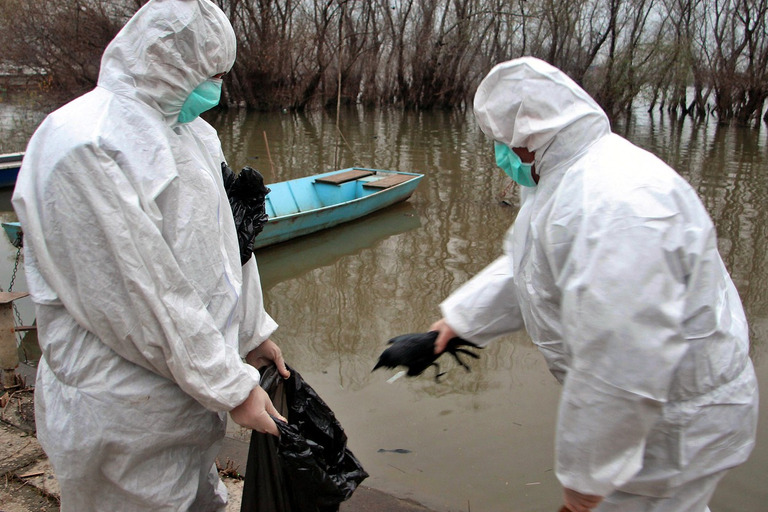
(269, 155)
(9, 352)
(338, 89)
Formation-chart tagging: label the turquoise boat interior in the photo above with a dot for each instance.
(329, 189)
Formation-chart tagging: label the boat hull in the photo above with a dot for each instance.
(13, 232)
(9, 169)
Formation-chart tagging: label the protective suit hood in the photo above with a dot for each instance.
(528, 103)
(159, 59)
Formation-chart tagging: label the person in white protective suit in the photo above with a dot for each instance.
(143, 309)
(612, 267)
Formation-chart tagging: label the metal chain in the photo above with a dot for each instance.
(19, 323)
(15, 269)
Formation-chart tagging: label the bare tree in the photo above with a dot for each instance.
(61, 41)
(632, 46)
(738, 58)
(689, 55)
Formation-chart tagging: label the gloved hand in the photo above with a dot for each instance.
(267, 353)
(247, 197)
(257, 413)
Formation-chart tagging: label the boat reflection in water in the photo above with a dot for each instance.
(294, 258)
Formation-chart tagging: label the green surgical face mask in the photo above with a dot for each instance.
(511, 164)
(204, 97)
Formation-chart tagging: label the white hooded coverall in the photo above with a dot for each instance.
(132, 260)
(612, 267)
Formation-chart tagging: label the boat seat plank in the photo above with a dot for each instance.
(8, 297)
(389, 181)
(343, 177)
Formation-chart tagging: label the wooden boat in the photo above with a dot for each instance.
(305, 205)
(9, 168)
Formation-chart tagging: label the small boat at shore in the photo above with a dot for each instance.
(302, 206)
(10, 163)
(306, 205)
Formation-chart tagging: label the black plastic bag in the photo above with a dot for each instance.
(309, 468)
(247, 197)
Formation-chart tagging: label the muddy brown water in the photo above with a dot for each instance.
(479, 441)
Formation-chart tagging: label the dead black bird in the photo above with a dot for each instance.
(417, 352)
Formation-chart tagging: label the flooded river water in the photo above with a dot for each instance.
(479, 441)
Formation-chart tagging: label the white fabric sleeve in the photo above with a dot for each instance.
(622, 309)
(256, 325)
(486, 306)
(119, 279)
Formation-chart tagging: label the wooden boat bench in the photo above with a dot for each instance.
(389, 181)
(343, 177)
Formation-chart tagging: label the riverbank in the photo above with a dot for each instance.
(28, 484)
